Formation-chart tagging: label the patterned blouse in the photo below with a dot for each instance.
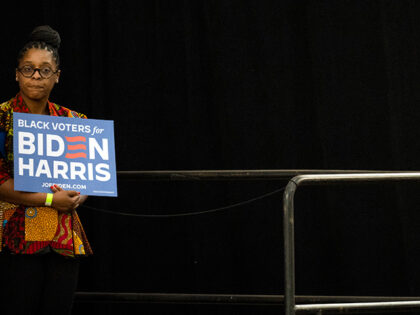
(33, 230)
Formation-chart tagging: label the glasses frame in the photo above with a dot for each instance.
(35, 70)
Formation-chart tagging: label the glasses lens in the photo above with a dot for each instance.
(27, 71)
(46, 72)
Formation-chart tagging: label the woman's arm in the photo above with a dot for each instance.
(63, 200)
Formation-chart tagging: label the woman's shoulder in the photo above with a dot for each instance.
(6, 113)
(58, 110)
(6, 106)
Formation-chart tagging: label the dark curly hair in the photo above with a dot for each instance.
(43, 37)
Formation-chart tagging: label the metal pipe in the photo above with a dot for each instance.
(170, 298)
(355, 177)
(250, 299)
(289, 249)
(289, 246)
(234, 175)
(358, 306)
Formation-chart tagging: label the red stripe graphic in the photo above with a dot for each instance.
(76, 147)
(70, 241)
(75, 155)
(76, 139)
(64, 227)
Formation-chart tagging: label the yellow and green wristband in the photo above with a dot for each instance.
(49, 199)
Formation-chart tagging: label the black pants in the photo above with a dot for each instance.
(37, 284)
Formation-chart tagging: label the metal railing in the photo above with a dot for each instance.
(289, 244)
(231, 299)
(296, 177)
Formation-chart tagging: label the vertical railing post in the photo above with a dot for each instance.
(289, 248)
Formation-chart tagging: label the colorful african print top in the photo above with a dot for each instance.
(33, 230)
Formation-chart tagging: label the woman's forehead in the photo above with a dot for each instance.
(38, 56)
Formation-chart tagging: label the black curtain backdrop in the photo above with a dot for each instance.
(242, 85)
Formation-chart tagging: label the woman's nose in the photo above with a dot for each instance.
(37, 74)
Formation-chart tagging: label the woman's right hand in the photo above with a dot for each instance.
(64, 200)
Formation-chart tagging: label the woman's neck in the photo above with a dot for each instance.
(36, 106)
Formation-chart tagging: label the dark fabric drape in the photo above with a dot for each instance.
(243, 85)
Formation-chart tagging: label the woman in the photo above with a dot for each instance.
(41, 236)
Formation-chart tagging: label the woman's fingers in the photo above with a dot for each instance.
(58, 188)
(72, 193)
(76, 199)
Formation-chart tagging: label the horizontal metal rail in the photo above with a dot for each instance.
(358, 306)
(289, 244)
(180, 298)
(228, 175)
(243, 299)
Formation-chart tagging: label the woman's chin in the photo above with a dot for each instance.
(35, 95)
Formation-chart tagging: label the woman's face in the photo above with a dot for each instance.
(36, 87)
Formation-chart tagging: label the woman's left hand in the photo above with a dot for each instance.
(81, 200)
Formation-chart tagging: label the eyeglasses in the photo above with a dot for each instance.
(44, 72)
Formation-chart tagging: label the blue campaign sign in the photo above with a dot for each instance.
(75, 154)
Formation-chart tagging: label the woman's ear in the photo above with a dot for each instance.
(57, 76)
